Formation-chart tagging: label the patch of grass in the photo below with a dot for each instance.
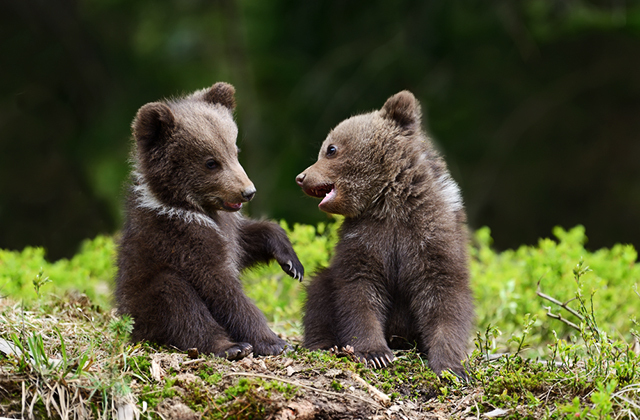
(247, 399)
(557, 338)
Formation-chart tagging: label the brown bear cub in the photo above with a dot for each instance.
(184, 244)
(399, 274)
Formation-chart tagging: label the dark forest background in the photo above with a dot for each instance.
(535, 103)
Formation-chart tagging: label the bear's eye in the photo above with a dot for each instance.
(331, 150)
(211, 164)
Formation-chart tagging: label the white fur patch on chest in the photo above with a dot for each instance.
(146, 200)
(450, 192)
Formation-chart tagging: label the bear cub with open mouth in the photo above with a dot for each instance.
(399, 275)
(184, 243)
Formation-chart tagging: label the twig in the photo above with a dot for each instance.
(321, 391)
(561, 304)
(383, 398)
(190, 362)
(561, 319)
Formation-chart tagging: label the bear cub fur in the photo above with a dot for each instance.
(184, 243)
(399, 274)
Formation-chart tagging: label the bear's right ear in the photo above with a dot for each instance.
(153, 122)
(404, 109)
(221, 93)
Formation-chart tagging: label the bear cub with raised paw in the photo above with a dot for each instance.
(184, 243)
(399, 275)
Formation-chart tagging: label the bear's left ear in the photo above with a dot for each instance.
(221, 93)
(404, 109)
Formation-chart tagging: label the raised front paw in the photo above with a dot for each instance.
(236, 351)
(375, 358)
(271, 347)
(292, 266)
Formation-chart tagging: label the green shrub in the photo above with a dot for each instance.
(90, 271)
(504, 283)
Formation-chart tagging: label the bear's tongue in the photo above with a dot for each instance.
(235, 206)
(329, 196)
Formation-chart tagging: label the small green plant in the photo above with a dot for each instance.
(527, 325)
(336, 385)
(40, 280)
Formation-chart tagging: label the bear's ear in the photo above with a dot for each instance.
(404, 109)
(153, 122)
(221, 93)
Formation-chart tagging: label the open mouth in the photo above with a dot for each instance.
(321, 191)
(329, 196)
(232, 206)
(326, 192)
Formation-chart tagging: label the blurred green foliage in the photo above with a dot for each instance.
(504, 283)
(90, 271)
(533, 102)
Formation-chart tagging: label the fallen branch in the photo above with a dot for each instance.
(294, 383)
(191, 362)
(382, 398)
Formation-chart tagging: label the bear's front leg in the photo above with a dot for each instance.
(444, 323)
(360, 313)
(249, 324)
(240, 316)
(262, 241)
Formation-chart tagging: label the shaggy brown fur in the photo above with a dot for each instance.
(183, 244)
(399, 273)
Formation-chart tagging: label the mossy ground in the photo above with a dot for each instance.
(71, 359)
(554, 340)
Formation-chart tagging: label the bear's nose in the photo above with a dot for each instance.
(248, 193)
(300, 179)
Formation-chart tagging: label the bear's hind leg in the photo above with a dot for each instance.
(171, 312)
(318, 315)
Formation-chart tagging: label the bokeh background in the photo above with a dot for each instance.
(534, 103)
